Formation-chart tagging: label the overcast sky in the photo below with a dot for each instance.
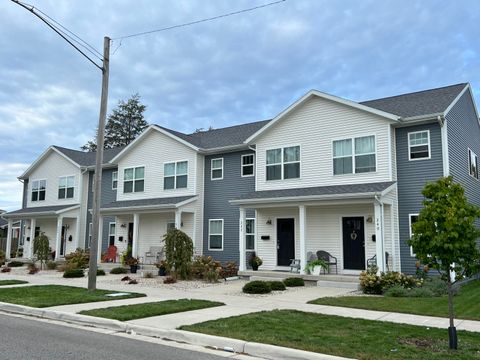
(234, 70)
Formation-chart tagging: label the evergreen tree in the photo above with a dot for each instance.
(123, 125)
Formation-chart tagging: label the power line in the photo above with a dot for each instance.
(198, 21)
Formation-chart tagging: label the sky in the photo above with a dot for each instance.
(234, 70)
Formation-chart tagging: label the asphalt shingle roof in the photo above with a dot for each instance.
(318, 191)
(39, 209)
(147, 202)
(419, 103)
(83, 158)
(3, 222)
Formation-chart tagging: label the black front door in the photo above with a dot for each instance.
(353, 243)
(285, 241)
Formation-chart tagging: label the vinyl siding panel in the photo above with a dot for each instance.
(313, 126)
(412, 177)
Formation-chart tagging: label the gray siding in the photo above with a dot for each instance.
(412, 176)
(108, 196)
(216, 206)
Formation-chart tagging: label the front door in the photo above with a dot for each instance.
(285, 241)
(353, 243)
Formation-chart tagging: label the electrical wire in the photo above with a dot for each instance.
(199, 21)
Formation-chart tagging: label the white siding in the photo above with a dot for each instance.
(313, 126)
(72, 230)
(49, 227)
(51, 168)
(152, 152)
(151, 231)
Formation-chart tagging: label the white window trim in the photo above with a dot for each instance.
(354, 155)
(254, 235)
(252, 165)
(74, 187)
(223, 237)
(410, 146)
(412, 254)
(212, 168)
(469, 165)
(134, 179)
(31, 190)
(116, 172)
(175, 175)
(282, 163)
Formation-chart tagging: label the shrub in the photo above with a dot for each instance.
(15, 264)
(32, 268)
(133, 282)
(400, 291)
(204, 267)
(436, 286)
(100, 272)
(118, 270)
(277, 286)
(148, 275)
(170, 280)
(2, 257)
(257, 287)
(294, 281)
(41, 248)
(78, 259)
(73, 273)
(6, 269)
(125, 278)
(371, 283)
(179, 252)
(229, 269)
(51, 265)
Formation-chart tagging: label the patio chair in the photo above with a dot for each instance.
(295, 265)
(311, 256)
(111, 255)
(329, 260)
(153, 255)
(373, 260)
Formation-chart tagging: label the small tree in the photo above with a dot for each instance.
(41, 248)
(445, 235)
(179, 252)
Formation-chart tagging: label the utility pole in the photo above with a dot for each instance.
(97, 191)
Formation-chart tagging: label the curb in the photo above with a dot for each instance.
(217, 342)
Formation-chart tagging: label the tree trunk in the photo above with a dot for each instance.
(452, 331)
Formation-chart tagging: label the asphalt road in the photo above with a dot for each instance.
(23, 338)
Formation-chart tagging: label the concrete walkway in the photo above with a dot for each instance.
(229, 293)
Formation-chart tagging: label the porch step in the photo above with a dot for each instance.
(339, 284)
(266, 278)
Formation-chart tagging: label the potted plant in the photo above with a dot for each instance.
(133, 263)
(162, 267)
(315, 266)
(255, 261)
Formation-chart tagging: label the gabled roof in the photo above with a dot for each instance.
(421, 103)
(40, 211)
(86, 159)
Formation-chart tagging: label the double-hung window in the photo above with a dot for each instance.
(412, 219)
(39, 190)
(419, 145)
(217, 169)
(111, 233)
(134, 179)
(283, 163)
(114, 180)
(472, 164)
(175, 175)
(247, 165)
(66, 187)
(352, 156)
(250, 234)
(215, 234)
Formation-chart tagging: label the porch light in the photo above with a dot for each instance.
(369, 219)
(123, 225)
(269, 222)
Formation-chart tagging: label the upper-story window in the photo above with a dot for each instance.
(472, 164)
(419, 145)
(114, 180)
(66, 187)
(217, 169)
(247, 165)
(39, 190)
(283, 163)
(352, 156)
(134, 179)
(175, 175)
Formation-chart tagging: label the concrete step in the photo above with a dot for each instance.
(339, 284)
(266, 278)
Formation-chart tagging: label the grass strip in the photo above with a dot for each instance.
(12, 282)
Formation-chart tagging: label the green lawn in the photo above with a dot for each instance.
(466, 303)
(12, 282)
(139, 311)
(335, 335)
(53, 295)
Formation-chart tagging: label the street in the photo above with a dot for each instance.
(32, 339)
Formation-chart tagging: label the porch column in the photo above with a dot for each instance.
(100, 239)
(241, 240)
(136, 224)
(59, 237)
(302, 214)
(33, 223)
(76, 241)
(178, 219)
(379, 243)
(8, 249)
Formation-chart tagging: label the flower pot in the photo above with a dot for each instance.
(255, 267)
(316, 270)
(162, 271)
(133, 269)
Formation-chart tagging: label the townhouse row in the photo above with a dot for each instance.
(326, 174)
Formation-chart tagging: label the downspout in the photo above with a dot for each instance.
(382, 223)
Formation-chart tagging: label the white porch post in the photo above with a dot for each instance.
(8, 249)
(302, 213)
(59, 237)
(136, 224)
(100, 238)
(76, 241)
(241, 240)
(379, 244)
(178, 219)
(33, 224)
